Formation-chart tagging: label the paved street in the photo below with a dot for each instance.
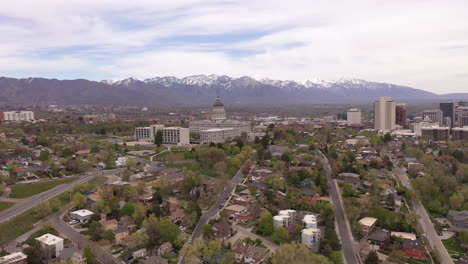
(423, 217)
(30, 202)
(347, 241)
(101, 254)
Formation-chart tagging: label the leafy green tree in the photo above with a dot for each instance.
(372, 258)
(337, 257)
(139, 213)
(266, 225)
(109, 159)
(128, 209)
(207, 230)
(108, 235)
(95, 149)
(265, 141)
(45, 155)
(387, 138)
(158, 138)
(459, 155)
(78, 200)
(168, 231)
(298, 254)
(280, 235)
(95, 231)
(151, 224)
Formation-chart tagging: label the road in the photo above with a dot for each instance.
(99, 253)
(28, 203)
(344, 229)
(423, 217)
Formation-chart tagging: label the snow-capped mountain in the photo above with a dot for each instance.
(202, 89)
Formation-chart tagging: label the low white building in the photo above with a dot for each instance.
(284, 218)
(218, 135)
(311, 236)
(141, 253)
(15, 258)
(310, 221)
(368, 224)
(53, 245)
(18, 116)
(170, 135)
(81, 215)
(121, 161)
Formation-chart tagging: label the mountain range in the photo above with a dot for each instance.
(202, 89)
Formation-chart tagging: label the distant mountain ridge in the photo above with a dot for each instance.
(201, 89)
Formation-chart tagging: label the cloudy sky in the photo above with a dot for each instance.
(423, 44)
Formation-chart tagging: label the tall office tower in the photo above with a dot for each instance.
(353, 116)
(461, 116)
(401, 115)
(448, 112)
(384, 114)
(435, 115)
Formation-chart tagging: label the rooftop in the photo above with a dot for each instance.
(82, 213)
(310, 231)
(368, 221)
(49, 239)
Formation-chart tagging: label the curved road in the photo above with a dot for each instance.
(28, 203)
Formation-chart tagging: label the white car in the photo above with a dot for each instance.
(73, 222)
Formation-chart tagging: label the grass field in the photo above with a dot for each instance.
(26, 190)
(25, 221)
(453, 246)
(5, 205)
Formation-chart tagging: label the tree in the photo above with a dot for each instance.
(45, 155)
(372, 258)
(257, 140)
(95, 149)
(337, 257)
(109, 159)
(207, 230)
(280, 235)
(78, 200)
(151, 224)
(108, 235)
(266, 225)
(128, 209)
(387, 138)
(459, 155)
(158, 138)
(298, 254)
(139, 214)
(90, 259)
(265, 141)
(95, 231)
(348, 190)
(169, 231)
(130, 164)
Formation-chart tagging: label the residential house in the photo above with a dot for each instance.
(52, 245)
(240, 201)
(403, 235)
(350, 178)
(222, 231)
(121, 234)
(368, 224)
(310, 196)
(250, 254)
(110, 224)
(15, 258)
(141, 253)
(234, 210)
(165, 249)
(81, 216)
(379, 237)
(277, 150)
(414, 249)
(458, 218)
(415, 167)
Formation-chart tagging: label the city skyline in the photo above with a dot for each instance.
(418, 44)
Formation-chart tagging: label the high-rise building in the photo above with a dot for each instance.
(170, 135)
(461, 116)
(435, 133)
(353, 116)
(435, 115)
(401, 115)
(384, 114)
(460, 133)
(448, 111)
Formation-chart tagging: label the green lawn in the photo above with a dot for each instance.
(5, 205)
(25, 190)
(453, 246)
(24, 222)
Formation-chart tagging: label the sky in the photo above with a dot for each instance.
(418, 43)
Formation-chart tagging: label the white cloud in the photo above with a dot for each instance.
(423, 44)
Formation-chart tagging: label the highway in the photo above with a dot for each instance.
(29, 202)
(99, 253)
(344, 229)
(423, 217)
